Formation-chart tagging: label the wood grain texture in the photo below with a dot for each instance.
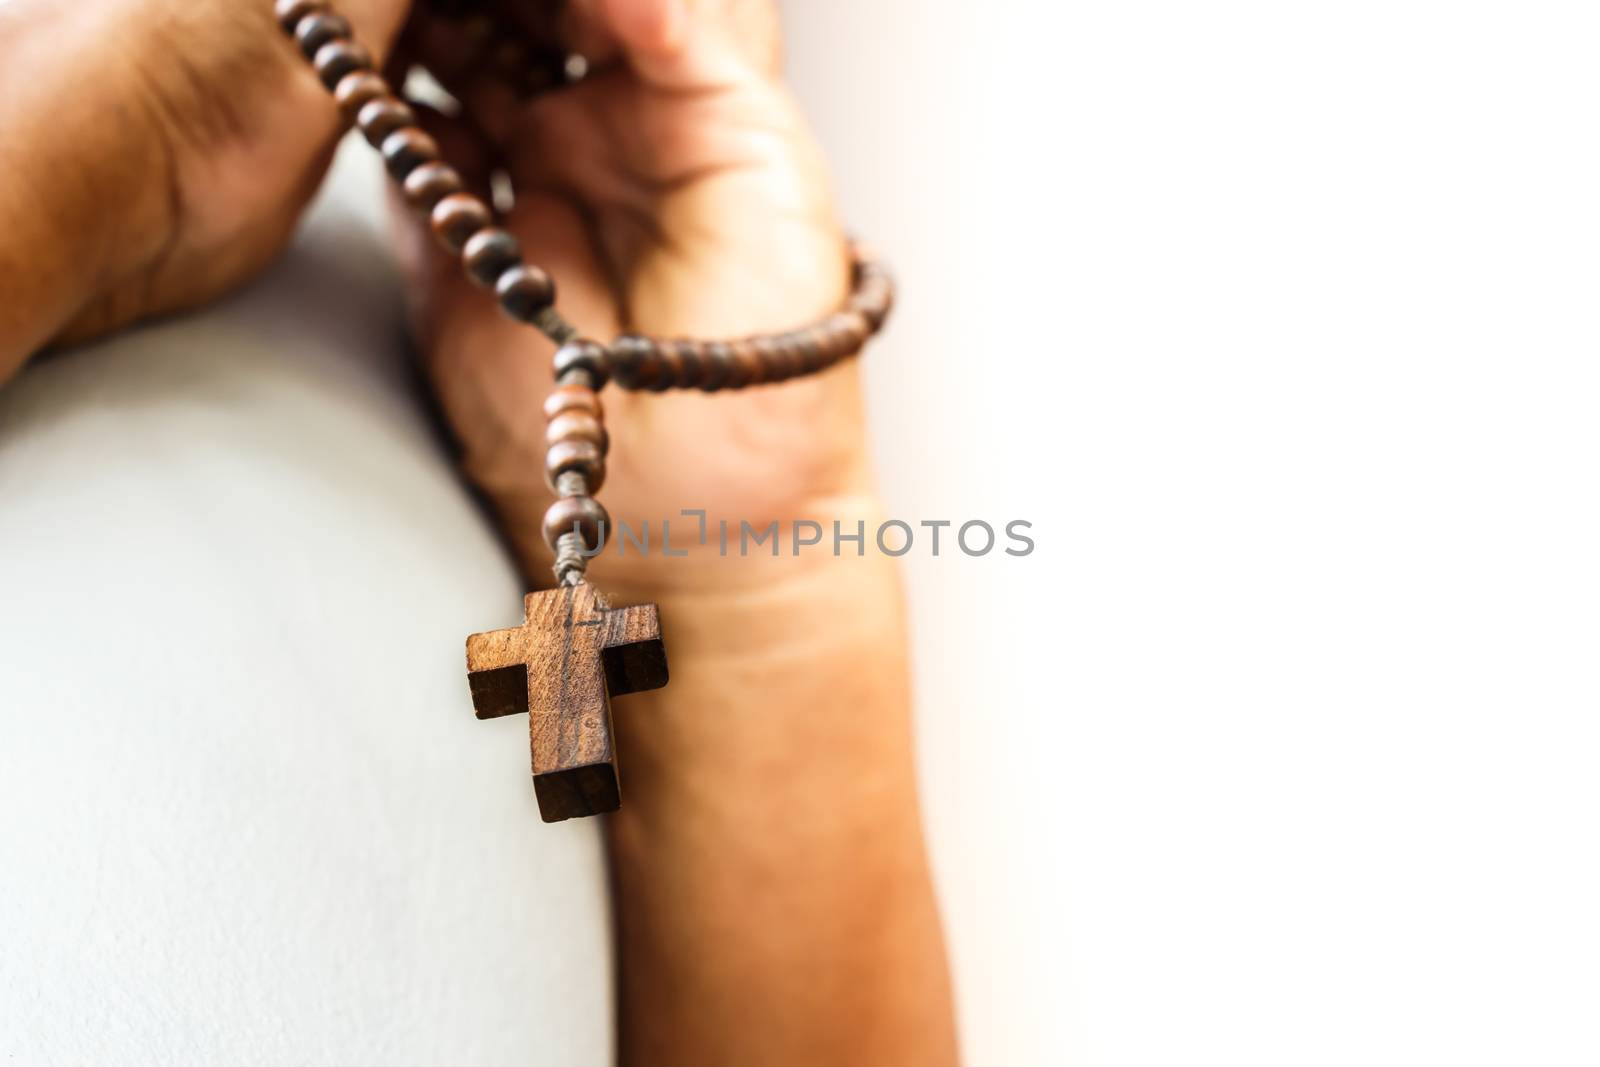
(562, 665)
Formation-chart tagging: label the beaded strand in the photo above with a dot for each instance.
(575, 434)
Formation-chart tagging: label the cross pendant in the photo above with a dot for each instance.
(561, 666)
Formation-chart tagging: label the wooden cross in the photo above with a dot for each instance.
(562, 666)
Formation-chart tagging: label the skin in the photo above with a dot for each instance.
(773, 902)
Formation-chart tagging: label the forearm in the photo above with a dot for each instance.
(774, 904)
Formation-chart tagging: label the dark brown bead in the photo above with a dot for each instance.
(669, 365)
(314, 32)
(766, 354)
(582, 513)
(524, 291)
(582, 355)
(406, 149)
(431, 183)
(457, 217)
(577, 426)
(585, 457)
(489, 253)
(691, 362)
(573, 398)
(338, 58)
(718, 365)
(356, 90)
(747, 368)
(290, 12)
(633, 361)
(382, 116)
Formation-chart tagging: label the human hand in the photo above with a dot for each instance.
(674, 192)
(177, 141)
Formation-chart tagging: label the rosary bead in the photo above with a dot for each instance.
(718, 368)
(358, 89)
(406, 149)
(669, 363)
(585, 457)
(583, 513)
(577, 426)
(382, 116)
(634, 362)
(812, 356)
(314, 32)
(582, 355)
(691, 362)
(489, 253)
(747, 369)
(290, 12)
(572, 398)
(457, 217)
(431, 183)
(524, 290)
(337, 58)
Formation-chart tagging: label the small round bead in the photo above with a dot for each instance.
(582, 355)
(356, 90)
(747, 368)
(406, 149)
(576, 425)
(524, 291)
(489, 253)
(853, 328)
(457, 217)
(337, 58)
(718, 366)
(314, 32)
(585, 457)
(431, 183)
(382, 116)
(691, 362)
(668, 363)
(637, 363)
(290, 12)
(582, 513)
(572, 398)
(813, 356)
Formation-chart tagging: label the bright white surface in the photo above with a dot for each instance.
(248, 815)
(1280, 321)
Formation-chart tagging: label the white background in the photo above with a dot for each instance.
(1279, 321)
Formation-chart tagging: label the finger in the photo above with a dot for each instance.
(692, 44)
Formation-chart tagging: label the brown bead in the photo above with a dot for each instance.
(382, 116)
(813, 354)
(582, 513)
(406, 149)
(356, 90)
(629, 358)
(582, 355)
(431, 183)
(747, 368)
(691, 362)
(577, 426)
(585, 457)
(489, 253)
(317, 30)
(290, 12)
(337, 58)
(573, 398)
(852, 329)
(524, 290)
(457, 217)
(718, 365)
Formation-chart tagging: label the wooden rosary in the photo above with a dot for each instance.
(573, 651)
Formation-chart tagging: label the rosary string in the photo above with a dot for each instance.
(575, 525)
